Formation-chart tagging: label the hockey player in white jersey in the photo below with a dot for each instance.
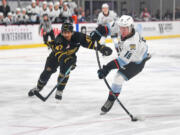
(51, 11)
(132, 53)
(56, 12)
(106, 16)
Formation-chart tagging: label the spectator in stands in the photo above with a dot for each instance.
(145, 15)
(81, 17)
(51, 11)
(9, 19)
(72, 6)
(87, 13)
(24, 16)
(44, 9)
(4, 8)
(18, 17)
(57, 12)
(167, 15)
(79, 11)
(28, 10)
(34, 16)
(1, 18)
(66, 13)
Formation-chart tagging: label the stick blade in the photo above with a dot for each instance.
(39, 96)
(138, 118)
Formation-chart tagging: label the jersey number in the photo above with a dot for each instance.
(128, 55)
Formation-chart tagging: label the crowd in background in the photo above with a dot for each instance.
(60, 11)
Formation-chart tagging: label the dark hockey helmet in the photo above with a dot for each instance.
(67, 27)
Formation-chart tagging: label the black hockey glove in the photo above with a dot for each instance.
(51, 44)
(66, 62)
(95, 36)
(100, 31)
(107, 68)
(106, 51)
(103, 72)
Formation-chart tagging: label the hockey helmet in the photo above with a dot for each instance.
(105, 5)
(33, 1)
(67, 27)
(50, 4)
(1, 14)
(126, 21)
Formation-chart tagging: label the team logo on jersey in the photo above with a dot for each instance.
(133, 46)
(59, 47)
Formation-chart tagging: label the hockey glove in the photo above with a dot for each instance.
(103, 72)
(107, 68)
(95, 36)
(51, 44)
(106, 51)
(67, 62)
(100, 31)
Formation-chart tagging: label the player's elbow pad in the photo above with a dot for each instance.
(113, 64)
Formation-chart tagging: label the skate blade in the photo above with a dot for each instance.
(103, 113)
(58, 101)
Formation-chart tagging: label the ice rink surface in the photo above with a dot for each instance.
(154, 95)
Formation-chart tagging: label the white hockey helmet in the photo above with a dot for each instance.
(105, 5)
(33, 1)
(23, 9)
(9, 14)
(18, 9)
(1, 14)
(126, 21)
(56, 3)
(50, 4)
(44, 3)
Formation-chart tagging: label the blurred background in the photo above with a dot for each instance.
(30, 11)
(21, 20)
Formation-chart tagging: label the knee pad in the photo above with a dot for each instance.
(45, 75)
(48, 69)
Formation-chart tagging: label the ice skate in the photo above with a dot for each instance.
(31, 92)
(58, 95)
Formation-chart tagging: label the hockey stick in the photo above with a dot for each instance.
(60, 81)
(107, 84)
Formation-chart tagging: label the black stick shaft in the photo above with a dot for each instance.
(45, 98)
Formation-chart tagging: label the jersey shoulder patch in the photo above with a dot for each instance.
(132, 46)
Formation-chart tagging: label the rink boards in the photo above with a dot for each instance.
(28, 36)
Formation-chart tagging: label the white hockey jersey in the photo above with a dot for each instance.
(66, 13)
(43, 11)
(133, 49)
(103, 20)
(34, 13)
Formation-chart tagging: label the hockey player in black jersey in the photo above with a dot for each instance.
(63, 54)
